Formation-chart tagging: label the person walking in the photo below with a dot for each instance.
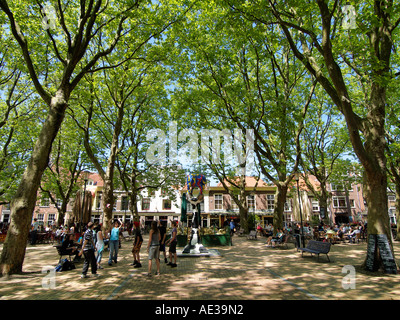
(137, 244)
(114, 242)
(153, 247)
(99, 246)
(172, 245)
(88, 249)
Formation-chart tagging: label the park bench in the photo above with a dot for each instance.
(252, 235)
(61, 252)
(317, 247)
(283, 241)
(240, 233)
(126, 236)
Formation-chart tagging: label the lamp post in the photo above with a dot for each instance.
(297, 178)
(85, 178)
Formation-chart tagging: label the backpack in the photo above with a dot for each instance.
(65, 265)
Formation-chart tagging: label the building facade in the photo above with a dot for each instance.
(218, 207)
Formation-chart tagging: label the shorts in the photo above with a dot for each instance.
(172, 247)
(137, 246)
(154, 252)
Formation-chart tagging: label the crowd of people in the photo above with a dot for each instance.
(92, 243)
(322, 232)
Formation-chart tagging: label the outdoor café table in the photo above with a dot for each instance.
(41, 236)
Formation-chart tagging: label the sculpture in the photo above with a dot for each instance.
(195, 181)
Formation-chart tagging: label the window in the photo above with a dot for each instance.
(218, 203)
(51, 218)
(98, 200)
(40, 218)
(146, 204)
(337, 187)
(6, 218)
(234, 206)
(166, 204)
(315, 205)
(339, 202)
(288, 205)
(44, 202)
(391, 198)
(270, 202)
(124, 203)
(352, 203)
(251, 202)
(115, 203)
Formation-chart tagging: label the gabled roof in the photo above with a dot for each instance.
(250, 182)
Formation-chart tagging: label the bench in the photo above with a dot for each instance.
(283, 241)
(317, 247)
(127, 236)
(62, 252)
(252, 234)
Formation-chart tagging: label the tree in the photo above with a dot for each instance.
(353, 66)
(55, 74)
(234, 72)
(324, 141)
(67, 160)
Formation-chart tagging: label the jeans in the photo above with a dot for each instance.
(99, 255)
(89, 259)
(114, 244)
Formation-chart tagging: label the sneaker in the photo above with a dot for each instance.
(100, 267)
(138, 265)
(110, 264)
(95, 275)
(169, 263)
(115, 261)
(173, 265)
(157, 273)
(83, 276)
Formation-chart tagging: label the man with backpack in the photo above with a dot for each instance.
(88, 249)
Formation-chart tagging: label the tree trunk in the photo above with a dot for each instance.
(244, 214)
(280, 196)
(398, 210)
(108, 203)
(23, 203)
(61, 213)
